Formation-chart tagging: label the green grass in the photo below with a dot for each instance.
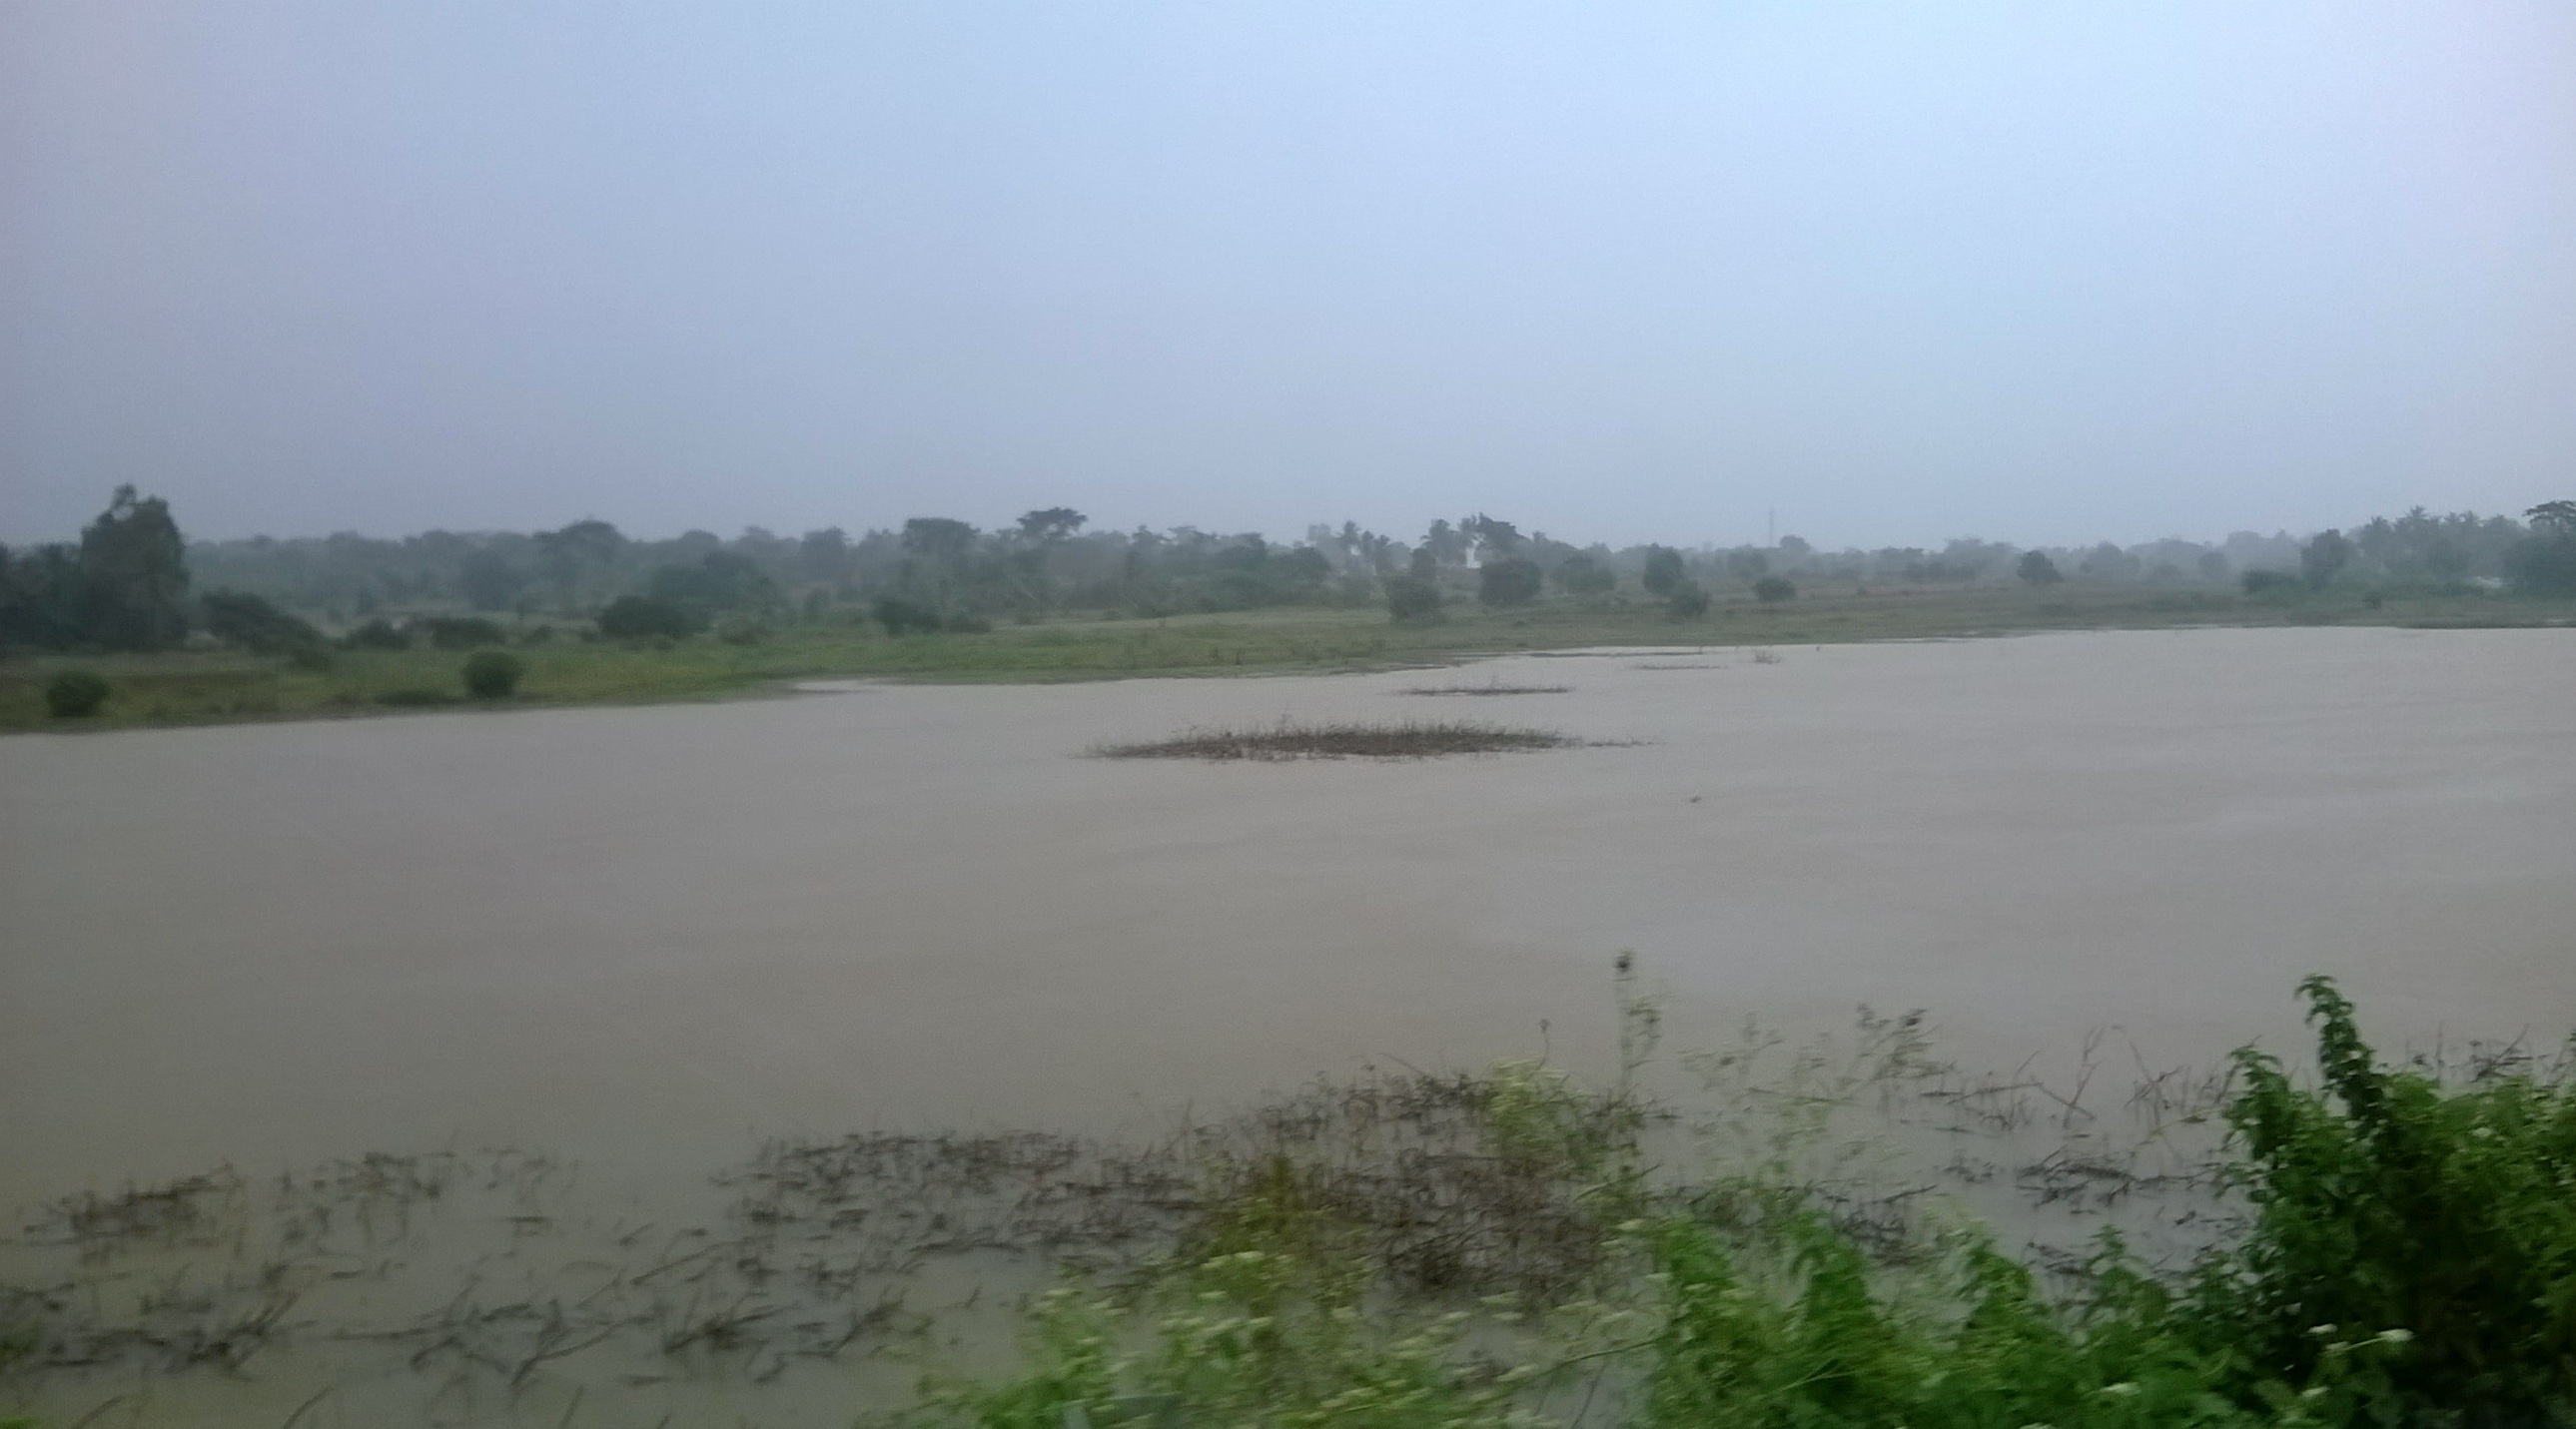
(213, 687)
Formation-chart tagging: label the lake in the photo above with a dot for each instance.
(645, 938)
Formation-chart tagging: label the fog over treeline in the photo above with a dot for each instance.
(134, 582)
(1050, 559)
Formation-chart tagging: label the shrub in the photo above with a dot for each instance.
(2037, 569)
(2386, 1206)
(1413, 598)
(251, 622)
(462, 632)
(721, 580)
(2545, 562)
(902, 617)
(1663, 570)
(1774, 588)
(2324, 558)
(493, 674)
(378, 634)
(1513, 580)
(1687, 600)
(641, 617)
(75, 694)
(2268, 582)
(1582, 575)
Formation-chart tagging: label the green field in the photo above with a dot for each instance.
(212, 686)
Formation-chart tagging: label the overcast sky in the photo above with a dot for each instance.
(2040, 272)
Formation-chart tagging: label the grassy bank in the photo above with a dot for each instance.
(220, 686)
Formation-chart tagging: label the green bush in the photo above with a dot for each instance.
(1513, 580)
(641, 617)
(2386, 1204)
(75, 694)
(1582, 575)
(2410, 1264)
(493, 674)
(1664, 570)
(902, 617)
(1687, 601)
(1413, 598)
(1774, 588)
(251, 622)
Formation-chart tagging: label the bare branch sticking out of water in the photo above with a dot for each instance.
(1290, 740)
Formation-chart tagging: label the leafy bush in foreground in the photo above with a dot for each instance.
(2386, 1203)
(2412, 1262)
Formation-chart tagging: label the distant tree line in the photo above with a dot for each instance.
(125, 585)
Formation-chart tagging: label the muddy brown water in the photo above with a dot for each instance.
(643, 938)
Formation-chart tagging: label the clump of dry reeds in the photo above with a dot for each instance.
(1289, 739)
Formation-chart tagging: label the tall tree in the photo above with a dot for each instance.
(569, 551)
(134, 575)
(1054, 524)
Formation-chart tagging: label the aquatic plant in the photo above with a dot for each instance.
(1290, 740)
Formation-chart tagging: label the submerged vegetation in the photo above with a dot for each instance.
(1410, 739)
(2390, 1246)
(2408, 1258)
(1491, 687)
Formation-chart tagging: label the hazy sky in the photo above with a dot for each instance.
(2041, 272)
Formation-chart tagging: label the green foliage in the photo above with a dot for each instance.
(462, 632)
(2412, 1262)
(902, 617)
(1663, 571)
(1810, 1341)
(251, 622)
(2324, 557)
(641, 617)
(1512, 580)
(2544, 564)
(133, 575)
(1276, 1329)
(75, 694)
(2035, 568)
(1582, 575)
(1413, 598)
(2386, 1204)
(1774, 589)
(489, 580)
(2268, 582)
(493, 674)
(1687, 600)
(720, 581)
